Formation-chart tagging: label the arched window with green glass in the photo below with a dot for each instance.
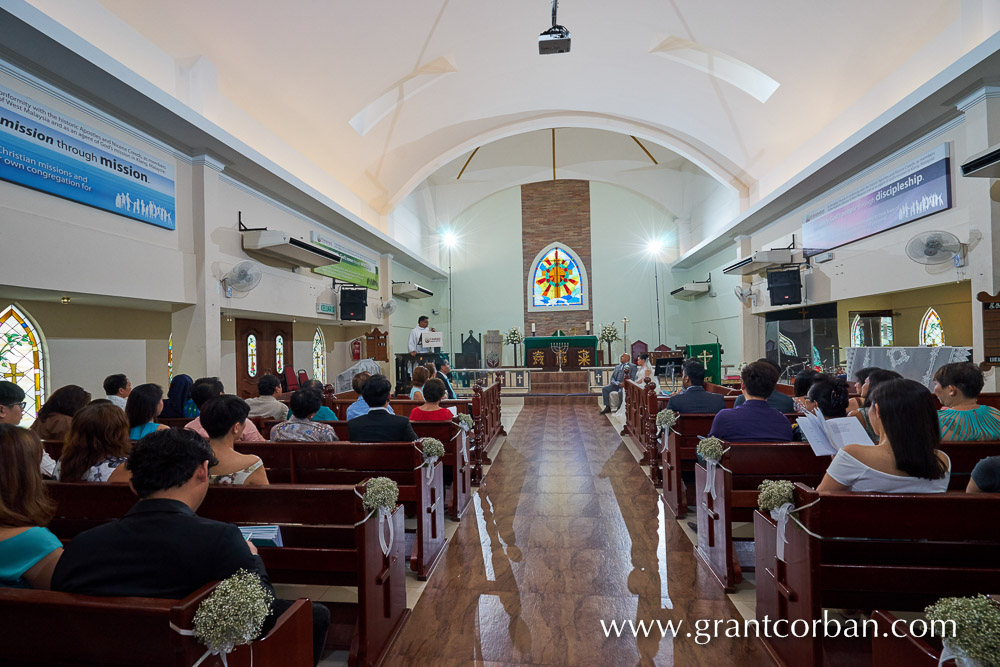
(23, 358)
(931, 329)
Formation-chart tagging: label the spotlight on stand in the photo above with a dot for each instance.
(556, 38)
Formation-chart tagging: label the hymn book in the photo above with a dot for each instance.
(828, 436)
(262, 536)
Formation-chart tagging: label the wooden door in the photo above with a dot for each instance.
(262, 348)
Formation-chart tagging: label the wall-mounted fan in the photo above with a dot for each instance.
(936, 248)
(746, 295)
(387, 308)
(242, 278)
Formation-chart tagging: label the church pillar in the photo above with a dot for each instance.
(197, 328)
(385, 292)
(751, 326)
(982, 130)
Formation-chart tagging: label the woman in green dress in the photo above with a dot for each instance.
(957, 386)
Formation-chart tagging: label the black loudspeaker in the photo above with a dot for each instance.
(785, 287)
(353, 303)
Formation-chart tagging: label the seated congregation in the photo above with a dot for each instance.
(160, 547)
(925, 444)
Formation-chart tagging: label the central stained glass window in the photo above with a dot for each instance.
(557, 280)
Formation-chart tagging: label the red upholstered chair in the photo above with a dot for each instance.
(291, 382)
(638, 347)
(303, 378)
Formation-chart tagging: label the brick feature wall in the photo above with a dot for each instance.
(556, 212)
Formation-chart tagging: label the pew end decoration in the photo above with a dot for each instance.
(232, 615)
(972, 629)
(381, 496)
(777, 497)
(432, 449)
(711, 450)
(466, 421)
(666, 419)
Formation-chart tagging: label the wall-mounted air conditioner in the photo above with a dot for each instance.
(410, 291)
(759, 262)
(691, 291)
(278, 244)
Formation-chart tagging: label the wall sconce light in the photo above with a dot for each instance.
(65, 300)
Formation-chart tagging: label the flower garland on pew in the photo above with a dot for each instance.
(432, 449)
(381, 496)
(466, 423)
(976, 641)
(777, 497)
(711, 450)
(233, 615)
(664, 419)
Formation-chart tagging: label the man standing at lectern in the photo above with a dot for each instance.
(415, 344)
(617, 380)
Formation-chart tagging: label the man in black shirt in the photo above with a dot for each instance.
(161, 548)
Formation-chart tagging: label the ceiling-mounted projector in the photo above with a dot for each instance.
(556, 38)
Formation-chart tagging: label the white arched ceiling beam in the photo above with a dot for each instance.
(716, 165)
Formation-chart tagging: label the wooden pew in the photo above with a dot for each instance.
(48, 627)
(888, 650)
(400, 406)
(350, 463)
(677, 454)
(322, 547)
(488, 427)
(897, 551)
(175, 422)
(748, 464)
(458, 457)
(640, 421)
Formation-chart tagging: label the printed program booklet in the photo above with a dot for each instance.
(828, 436)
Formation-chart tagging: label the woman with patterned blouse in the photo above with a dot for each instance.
(957, 386)
(96, 447)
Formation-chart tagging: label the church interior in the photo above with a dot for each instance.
(654, 201)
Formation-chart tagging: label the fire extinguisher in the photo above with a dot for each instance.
(356, 349)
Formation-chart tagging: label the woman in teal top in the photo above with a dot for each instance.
(420, 375)
(28, 552)
(957, 386)
(144, 405)
(324, 414)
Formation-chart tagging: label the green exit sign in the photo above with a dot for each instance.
(326, 308)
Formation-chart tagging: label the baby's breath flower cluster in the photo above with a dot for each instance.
(609, 333)
(665, 419)
(234, 613)
(513, 337)
(710, 449)
(432, 447)
(774, 493)
(381, 492)
(466, 420)
(976, 627)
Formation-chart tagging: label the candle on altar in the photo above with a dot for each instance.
(588, 326)
(532, 327)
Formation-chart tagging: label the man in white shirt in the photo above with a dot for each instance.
(415, 343)
(117, 388)
(266, 405)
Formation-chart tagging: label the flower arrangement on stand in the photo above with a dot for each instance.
(513, 337)
(608, 335)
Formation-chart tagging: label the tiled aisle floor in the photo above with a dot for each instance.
(566, 531)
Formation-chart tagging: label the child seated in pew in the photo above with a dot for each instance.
(906, 458)
(96, 446)
(28, 551)
(305, 403)
(957, 386)
(223, 419)
(161, 548)
(985, 476)
(431, 410)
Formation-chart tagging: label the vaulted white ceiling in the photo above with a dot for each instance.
(381, 95)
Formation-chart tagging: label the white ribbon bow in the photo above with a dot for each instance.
(710, 477)
(429, 464)
(782, 515)
(947, 654)
(209, 652)
(383, 513)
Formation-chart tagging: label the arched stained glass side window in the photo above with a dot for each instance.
(931, 329)
(319, 356)
(23, 352)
